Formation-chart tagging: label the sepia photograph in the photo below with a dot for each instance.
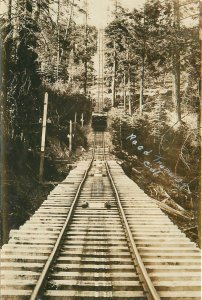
(100, 149)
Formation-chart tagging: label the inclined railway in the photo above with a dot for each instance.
(98, 236)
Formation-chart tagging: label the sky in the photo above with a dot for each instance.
(100, 14)
(100, 10)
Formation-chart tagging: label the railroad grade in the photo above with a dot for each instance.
(117, 243)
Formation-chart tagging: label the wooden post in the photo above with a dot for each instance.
(70, 136)
(82, 120)
(75, 117)
(43, 137)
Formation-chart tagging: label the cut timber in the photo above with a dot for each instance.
(172, 211)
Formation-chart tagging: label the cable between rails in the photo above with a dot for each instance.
(40, 286)
(147, 283)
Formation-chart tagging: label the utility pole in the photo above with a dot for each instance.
(43, 137)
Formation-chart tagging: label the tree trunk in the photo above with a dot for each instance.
(4, 208)
(9, 10)
(102, 55)
(29, 6)
(124, 89)
(200, 90)
(114, 77)
(58, 54)
(70, 18)
(129, 94)
(16, 27)
(38, 10)
(129, 84)
(58, 42)
(142, 74)
(5, 131)
(142, 85)
(176, 85)
(176, 63)
(66, 31)
(86, 45)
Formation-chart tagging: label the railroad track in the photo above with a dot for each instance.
(98, 236)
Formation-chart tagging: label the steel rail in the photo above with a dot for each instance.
(147, 283)
(39, 288)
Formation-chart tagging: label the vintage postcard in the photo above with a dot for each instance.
(100, 149)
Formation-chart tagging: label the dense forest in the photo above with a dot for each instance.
(153, 75)
(43, 50)
(152, 89)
